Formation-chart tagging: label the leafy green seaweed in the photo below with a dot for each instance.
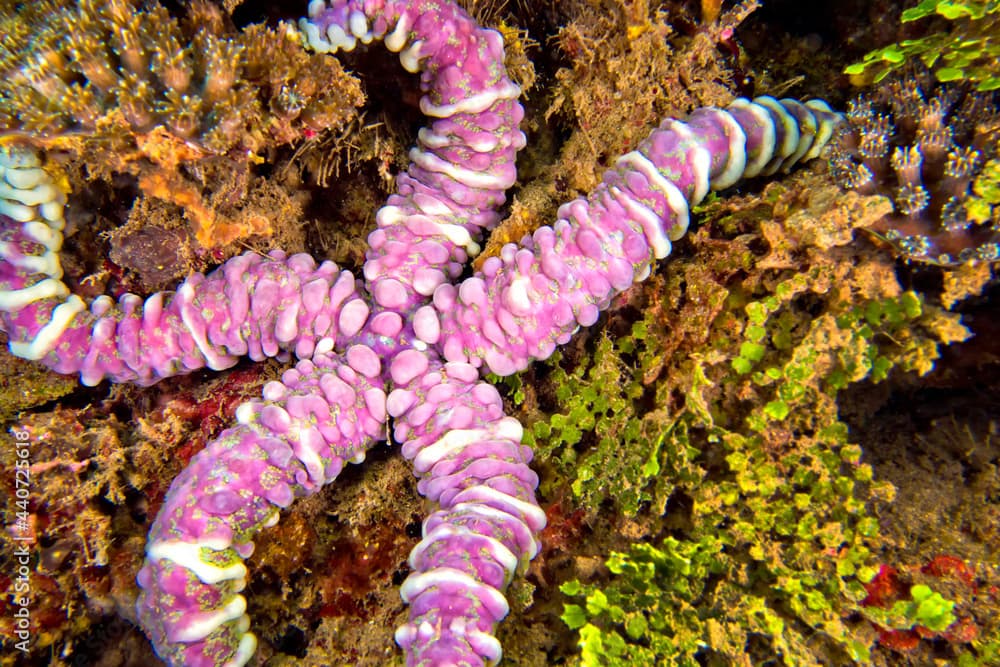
(968, 51)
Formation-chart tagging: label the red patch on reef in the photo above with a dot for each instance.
(961, 631)
(561, 528)
(214, 411)
(884, 589)
(899, 640)
(950, 566)
(221, 401)
(356, 565)
(52, 614)
(891, 585)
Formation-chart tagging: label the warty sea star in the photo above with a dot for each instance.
(409, 343)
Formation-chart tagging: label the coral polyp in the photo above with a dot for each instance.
(86, 67)
(924, 151)
(180, 103)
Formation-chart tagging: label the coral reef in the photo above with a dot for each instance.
(115, 71)
(759, 510)
(181, 105)
(622, 457)
(77, 455)
(410, 351)
(933, 154)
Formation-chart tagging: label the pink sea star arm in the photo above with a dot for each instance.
(462, 163)
(460, 169)
(533, 297)
(470, 460)
(468, 455)
(251, 305)
(325, 412)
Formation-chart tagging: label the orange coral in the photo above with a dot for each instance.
(127, 87)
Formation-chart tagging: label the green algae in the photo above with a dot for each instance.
(739, 434)
(25, 385)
